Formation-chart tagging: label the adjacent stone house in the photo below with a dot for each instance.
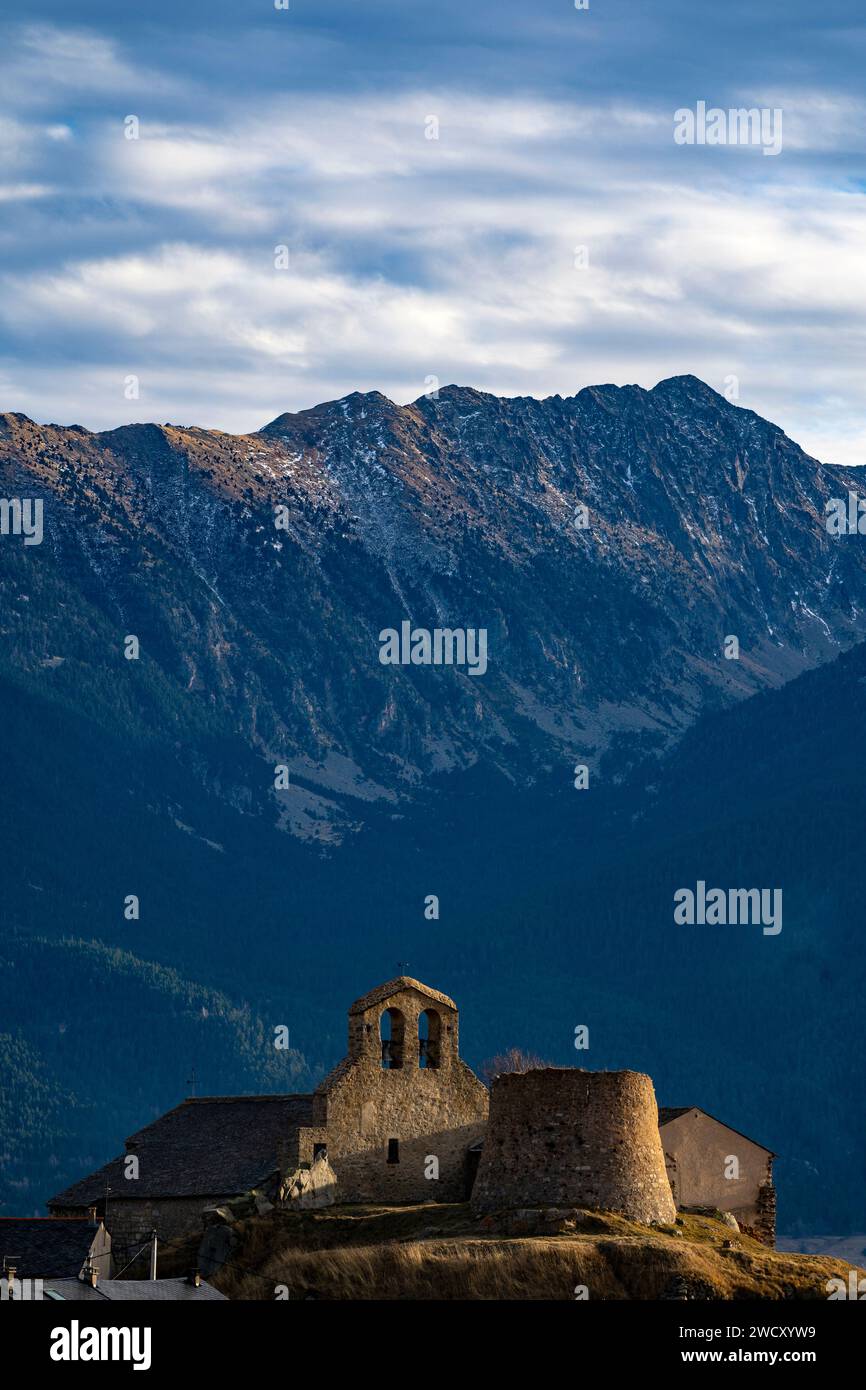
(711, 1165)
(202, 1153)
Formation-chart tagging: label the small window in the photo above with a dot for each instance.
(393, 1150)
(320, 1151)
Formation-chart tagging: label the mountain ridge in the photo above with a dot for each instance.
(703, 520)
(453, 390)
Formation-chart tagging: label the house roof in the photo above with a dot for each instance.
(209, 1146)
(669, 1112)
(46, 1247)
(672, 1112)
(395, 986)
(133, 1291)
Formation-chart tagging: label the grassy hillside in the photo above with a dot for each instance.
(435, 1252)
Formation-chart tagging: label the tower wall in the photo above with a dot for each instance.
(564, 1137)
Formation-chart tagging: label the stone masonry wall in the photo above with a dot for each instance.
(764, 1226)
(572, 1138)
(131, 1222)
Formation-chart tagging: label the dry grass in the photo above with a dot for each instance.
(460, 1269)
(438, 1253)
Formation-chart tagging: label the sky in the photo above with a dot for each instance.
(482, 193)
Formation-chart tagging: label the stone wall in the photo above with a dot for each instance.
(305, 1146)
(400, 1134)
(130, 1222)
(763, 1227)
(563, 1137)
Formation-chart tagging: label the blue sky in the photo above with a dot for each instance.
(412, 258)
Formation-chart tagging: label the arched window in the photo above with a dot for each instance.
(391, 1030)
(429, 1038)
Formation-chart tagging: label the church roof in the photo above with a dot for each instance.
(207, 1146)
(673, 1112)
(396, 986)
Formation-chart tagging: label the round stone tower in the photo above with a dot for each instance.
(562, 1137)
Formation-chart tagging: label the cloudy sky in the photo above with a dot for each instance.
(553, 236)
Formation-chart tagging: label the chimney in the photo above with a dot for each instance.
(91, 1216)
(89, 1274)
(10, 1275)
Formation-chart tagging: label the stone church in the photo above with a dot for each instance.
(396, 1120)
(403, 1119)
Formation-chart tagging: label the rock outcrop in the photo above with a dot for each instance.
(310, 1187)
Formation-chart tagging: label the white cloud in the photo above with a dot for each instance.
(16, 192)
(46, 63)
(451, 257)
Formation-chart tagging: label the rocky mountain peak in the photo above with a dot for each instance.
(607, 543)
